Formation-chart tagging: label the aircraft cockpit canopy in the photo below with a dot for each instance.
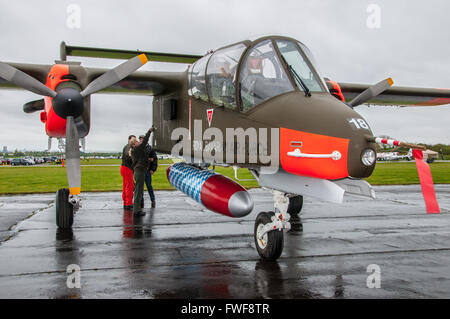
(261, 70)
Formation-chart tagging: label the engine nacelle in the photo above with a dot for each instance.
(214, 191)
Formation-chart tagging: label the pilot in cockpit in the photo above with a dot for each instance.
(222, 81)
(250, 75)
(255, 65)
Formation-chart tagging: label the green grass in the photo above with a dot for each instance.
(113, 161)
(406, 173)
(35, 179)
(101, 161)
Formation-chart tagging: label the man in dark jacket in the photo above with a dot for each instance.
(140, 167)
(126, 170)
(153, 165)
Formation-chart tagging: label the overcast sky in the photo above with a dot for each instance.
(412, 46)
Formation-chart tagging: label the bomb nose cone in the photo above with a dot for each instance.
(240, 204)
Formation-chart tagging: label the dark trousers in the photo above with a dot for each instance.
(148, 183)
(139, 179)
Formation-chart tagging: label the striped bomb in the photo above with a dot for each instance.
(214, 191)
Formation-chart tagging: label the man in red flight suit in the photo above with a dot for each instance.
(126, 170)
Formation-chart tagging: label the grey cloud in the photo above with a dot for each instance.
(412, 46)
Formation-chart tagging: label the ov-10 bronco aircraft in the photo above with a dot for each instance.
(296, 132)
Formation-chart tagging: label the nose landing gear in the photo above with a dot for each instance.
(269, 239)
(66, 205)
(269, 226)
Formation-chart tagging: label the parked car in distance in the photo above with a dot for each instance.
(38, 160)
(30, 161)
(20, 161)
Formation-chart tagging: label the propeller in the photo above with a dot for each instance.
(24, 80)
(73, 157)
(115, 75)
(371, 92)
(68, 103)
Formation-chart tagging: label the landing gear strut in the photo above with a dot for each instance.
(269, 226)
(65, 206)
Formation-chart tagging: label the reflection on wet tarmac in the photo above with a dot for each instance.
(136, 226)
(67, 252)
(179, 250)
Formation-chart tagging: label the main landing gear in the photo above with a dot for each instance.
(294, 209)
(66, 205)
(269, 226)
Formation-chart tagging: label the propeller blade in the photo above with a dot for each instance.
(115, 75)
(73, 157)
(371, 92)
(24, 80)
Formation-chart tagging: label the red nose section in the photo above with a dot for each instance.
(293, 143)
(55, 126)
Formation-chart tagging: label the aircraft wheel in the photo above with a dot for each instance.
(295, 205)
(64, 210)
(294, 209)
(270, 246)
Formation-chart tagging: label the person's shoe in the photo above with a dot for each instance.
(127, 207)
(153, 204)
(139, 213)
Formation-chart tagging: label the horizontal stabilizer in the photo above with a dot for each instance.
(70, 50)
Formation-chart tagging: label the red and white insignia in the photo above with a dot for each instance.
(209, 113)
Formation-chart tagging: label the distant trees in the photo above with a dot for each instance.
(18, 153)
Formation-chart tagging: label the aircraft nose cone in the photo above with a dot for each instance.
(240, 204)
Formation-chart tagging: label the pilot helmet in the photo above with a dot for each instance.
(254, 64)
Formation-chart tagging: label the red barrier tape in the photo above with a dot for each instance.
(426, 181)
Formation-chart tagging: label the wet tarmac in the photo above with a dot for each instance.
(179, 250)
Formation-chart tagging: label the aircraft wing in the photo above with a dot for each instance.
(142, 82)
(139, 82)
(399, 95)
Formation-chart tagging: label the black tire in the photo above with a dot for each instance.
(295, 205)
(275, 240)
(294, 208)
(64, 210)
